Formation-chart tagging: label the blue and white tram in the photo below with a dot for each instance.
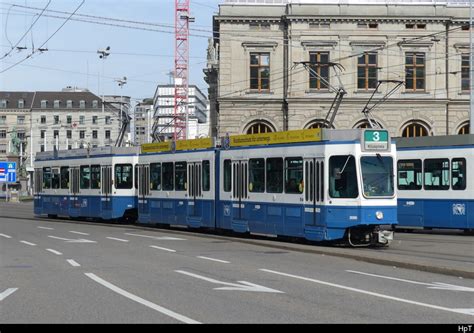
(95, 183)
(176, 185)
(435, 189)
(329, 189)
(288, 183)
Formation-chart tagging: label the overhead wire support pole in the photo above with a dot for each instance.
(340, 92)
(471, 70)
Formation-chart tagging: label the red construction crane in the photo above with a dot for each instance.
(181, 69)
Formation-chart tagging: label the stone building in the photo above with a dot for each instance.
(275, 65)
(32, 122)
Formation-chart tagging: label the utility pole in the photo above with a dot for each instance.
(103, 54)
(121, 83)
(471, 71)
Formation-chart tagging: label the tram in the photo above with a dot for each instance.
(317, 184)
(322, 185)
(435, 187)
(87, 183)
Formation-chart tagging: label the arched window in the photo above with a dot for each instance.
(414, 129)
(366, 124)
(259, 127)
(464, 129)
(318, 123)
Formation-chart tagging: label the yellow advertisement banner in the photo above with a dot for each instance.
(167, 146)
(156, 147)
(202, 143)
(308, 135)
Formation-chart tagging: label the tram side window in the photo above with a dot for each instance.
(294, 175)
(257, 175)
(55, 179)
(436, 174)
(46, 177)
(95, 177)
(64, 177)
(227, 176)
(206, 176)
(410, 175)
(274, 175)
(85, 180)
(123, 176)
(458, 173)
(155, 176)
(168, 176)
(343, 177)
(180, 172)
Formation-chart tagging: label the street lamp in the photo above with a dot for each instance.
(121, 83)
(103, 54)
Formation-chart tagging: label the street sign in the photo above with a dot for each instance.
(8, 172)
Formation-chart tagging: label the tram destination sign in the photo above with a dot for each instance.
(375, 140)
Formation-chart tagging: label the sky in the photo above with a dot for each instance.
(143, 53)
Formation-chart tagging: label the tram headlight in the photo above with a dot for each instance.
(379, 215)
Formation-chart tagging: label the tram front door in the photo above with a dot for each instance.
(313, 191)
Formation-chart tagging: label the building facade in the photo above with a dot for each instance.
(32, 122)
(163, 102)
(143, 122)
(277, 65)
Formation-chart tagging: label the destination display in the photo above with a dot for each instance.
(375, 140)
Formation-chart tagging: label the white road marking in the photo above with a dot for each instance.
(46, 228)
(27, 243)
(73, 240)
(156, 237)
(118, 239)
(6, 236)
(462, 311)
(73, 263)
(7, 293)
(434, 285)
(212, 259)
(54, 251)
(80, 233)
(243, 286)
(142, 301)
(162, 248)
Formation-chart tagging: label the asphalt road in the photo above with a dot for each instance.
(63, 272)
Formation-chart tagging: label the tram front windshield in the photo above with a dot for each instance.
(377, 176)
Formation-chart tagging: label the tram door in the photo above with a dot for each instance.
(106, 186)
(143, 187)
(38, 203)
(74, 178)
(239, 189)
(313, 191)
(194, 188)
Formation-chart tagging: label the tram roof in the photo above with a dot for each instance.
(435, 141)
(82, 152)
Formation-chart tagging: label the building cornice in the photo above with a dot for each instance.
(259, 45)
(318, 44)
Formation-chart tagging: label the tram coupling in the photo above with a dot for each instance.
(364, 237)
